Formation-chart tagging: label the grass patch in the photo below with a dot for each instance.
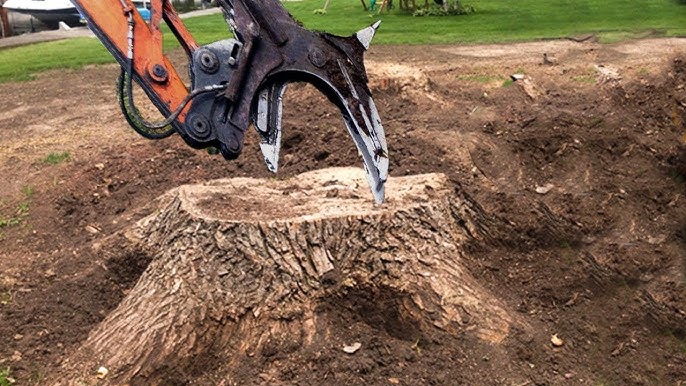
(508, 82)
(22, 63)
(28, 191)
(5, 298)
(584, 79)
(492, 21)
(505, 21)
(21, 211)
(5, 378)
(17, 218)
(480, 78)
(55, 158)
(643, 72)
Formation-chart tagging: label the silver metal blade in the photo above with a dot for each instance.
(364, 125)
(372, 146)
(267, 121)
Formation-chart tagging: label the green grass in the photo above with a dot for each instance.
(5, 379)
(21, 211)
(480, 78)
(505, 20)
(55, 158)
(5, 298)
(584, 79)
(493, 21)
(21, 63)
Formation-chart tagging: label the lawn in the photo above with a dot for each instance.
(494, 21)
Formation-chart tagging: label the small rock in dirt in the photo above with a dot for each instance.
(394, 381)
(18, 336)
(352, 349)
(556, 341)
(102, 372)
(569, 375)
(544, 189)
(100, 166)
(50, 273)
(16, 356)
(516, 77)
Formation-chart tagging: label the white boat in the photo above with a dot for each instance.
(49, 12)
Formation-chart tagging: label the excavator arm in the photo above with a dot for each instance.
(240, 81)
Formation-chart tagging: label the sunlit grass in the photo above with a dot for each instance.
(493, 21)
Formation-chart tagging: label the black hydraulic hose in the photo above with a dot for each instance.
(125, 90)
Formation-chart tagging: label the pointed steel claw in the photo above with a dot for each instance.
(267, 121)
(276, 50)
(366, 35)
(364, 125)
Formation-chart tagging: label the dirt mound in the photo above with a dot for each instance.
(583, 185)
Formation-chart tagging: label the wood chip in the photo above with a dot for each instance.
(352, 349)
(556, 341)
(516, 77)
(16, 356)
(102, 372)
(544, 189)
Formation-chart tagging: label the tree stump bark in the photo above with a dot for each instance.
(254, 258)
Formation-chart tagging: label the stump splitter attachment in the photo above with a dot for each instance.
(241, 80)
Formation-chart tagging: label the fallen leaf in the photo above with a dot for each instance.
(16, 356)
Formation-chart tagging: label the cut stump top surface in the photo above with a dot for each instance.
(318, 194)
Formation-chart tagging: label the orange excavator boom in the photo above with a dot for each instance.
(239, 82)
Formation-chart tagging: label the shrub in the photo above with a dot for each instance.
(449, 8)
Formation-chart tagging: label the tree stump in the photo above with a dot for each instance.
(238, 262)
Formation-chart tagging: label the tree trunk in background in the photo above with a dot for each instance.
(5, 30)
(238, 263)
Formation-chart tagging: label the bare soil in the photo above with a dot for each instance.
(581, 166)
